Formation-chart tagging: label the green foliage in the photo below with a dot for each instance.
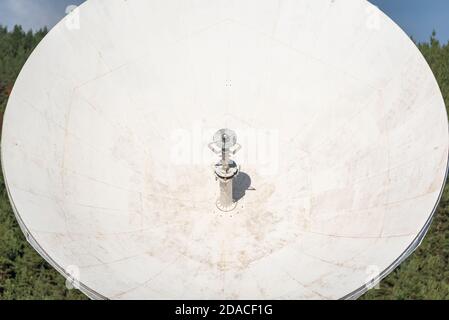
(25, 275)
(15, 47)
(425, 274)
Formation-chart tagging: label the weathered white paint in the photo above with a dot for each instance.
(360, 155)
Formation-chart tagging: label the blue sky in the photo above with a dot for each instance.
(33, 14)
(417, 17)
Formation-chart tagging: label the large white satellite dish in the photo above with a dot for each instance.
(343, 134)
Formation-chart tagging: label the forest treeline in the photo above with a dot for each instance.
(25, 275)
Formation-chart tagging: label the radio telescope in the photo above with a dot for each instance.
(107, 136)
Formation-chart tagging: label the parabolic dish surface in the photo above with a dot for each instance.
(343, 128)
